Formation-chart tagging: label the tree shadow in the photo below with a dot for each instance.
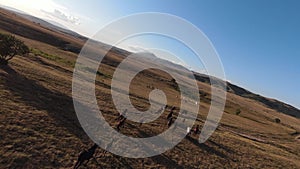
(59, 106)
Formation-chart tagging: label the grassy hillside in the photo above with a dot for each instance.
(39, 127)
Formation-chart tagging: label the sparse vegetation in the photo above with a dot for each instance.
(175, 85)
(238, 111)
(277, 120)
(10, 46)
(99, 73)
(202, 93)
(55, 58)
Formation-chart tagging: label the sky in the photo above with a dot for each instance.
(257, 41)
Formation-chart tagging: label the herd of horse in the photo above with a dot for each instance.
(86, 155)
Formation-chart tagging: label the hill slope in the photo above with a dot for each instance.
(40, 128)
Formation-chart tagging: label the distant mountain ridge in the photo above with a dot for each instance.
(53, 25)
(270, 103)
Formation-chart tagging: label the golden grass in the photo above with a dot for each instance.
(39, 128)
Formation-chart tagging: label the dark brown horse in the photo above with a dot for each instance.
(171, 113)
(121, 123)
(85, 155)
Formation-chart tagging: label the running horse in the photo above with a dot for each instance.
(85, 155)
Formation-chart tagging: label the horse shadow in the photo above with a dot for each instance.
(209, 149)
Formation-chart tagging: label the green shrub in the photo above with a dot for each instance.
(10, 46)
(55, 58)
(277, 120)
(238, 112)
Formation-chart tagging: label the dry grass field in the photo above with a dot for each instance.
(39, 127)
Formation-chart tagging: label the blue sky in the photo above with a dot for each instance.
(258, 41)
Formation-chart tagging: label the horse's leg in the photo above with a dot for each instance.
(101, 154)
(97, 163)
(85, 163)
(77, 165)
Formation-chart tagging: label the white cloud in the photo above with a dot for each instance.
(137, 49)
(57, 14)
(32, 6)
(45, 9)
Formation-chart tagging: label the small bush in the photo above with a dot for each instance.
(238, 112)
(277, 120)
(10, 47)
(175, 85)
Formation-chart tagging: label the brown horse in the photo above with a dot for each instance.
(121, 123)
(85, 155)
